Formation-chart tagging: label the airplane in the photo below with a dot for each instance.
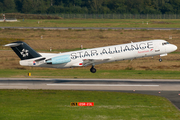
(91, 57)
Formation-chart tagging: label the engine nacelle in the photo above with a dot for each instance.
(59, 59)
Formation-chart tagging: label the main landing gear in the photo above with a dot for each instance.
(93, 70)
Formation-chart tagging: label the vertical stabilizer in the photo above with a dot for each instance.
(23, 50)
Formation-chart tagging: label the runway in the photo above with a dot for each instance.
(89, 28)
(90, 84)
(160, 87)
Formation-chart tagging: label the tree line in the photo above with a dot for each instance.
(91, 6)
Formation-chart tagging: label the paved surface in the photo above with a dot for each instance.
(165, 88)
(88, 28)
(90, 84)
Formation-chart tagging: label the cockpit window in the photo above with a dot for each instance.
(165, 43)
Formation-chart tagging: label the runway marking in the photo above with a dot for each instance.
(103, 85)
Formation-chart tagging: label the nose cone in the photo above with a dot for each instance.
(171, 48)
(174, 47)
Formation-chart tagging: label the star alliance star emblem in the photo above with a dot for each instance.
(24, 53)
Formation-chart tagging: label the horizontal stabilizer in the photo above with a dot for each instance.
(13, 44)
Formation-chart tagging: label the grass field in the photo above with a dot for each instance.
(85, 73)
(61, 40)
(138, 23)
(52, 104)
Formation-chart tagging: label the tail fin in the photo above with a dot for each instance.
(23, 50)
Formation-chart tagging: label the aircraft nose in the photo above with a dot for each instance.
(174, 47)
(171, 48)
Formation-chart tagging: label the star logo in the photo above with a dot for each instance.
(24, 52)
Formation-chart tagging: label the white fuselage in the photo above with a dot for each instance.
(100, 55)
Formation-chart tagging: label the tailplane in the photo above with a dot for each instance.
(23, 50)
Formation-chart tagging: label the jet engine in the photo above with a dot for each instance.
(59, 59)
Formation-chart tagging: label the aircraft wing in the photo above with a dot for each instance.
(87, 62)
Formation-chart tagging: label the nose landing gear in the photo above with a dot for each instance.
(93, 70)
(160, 60)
